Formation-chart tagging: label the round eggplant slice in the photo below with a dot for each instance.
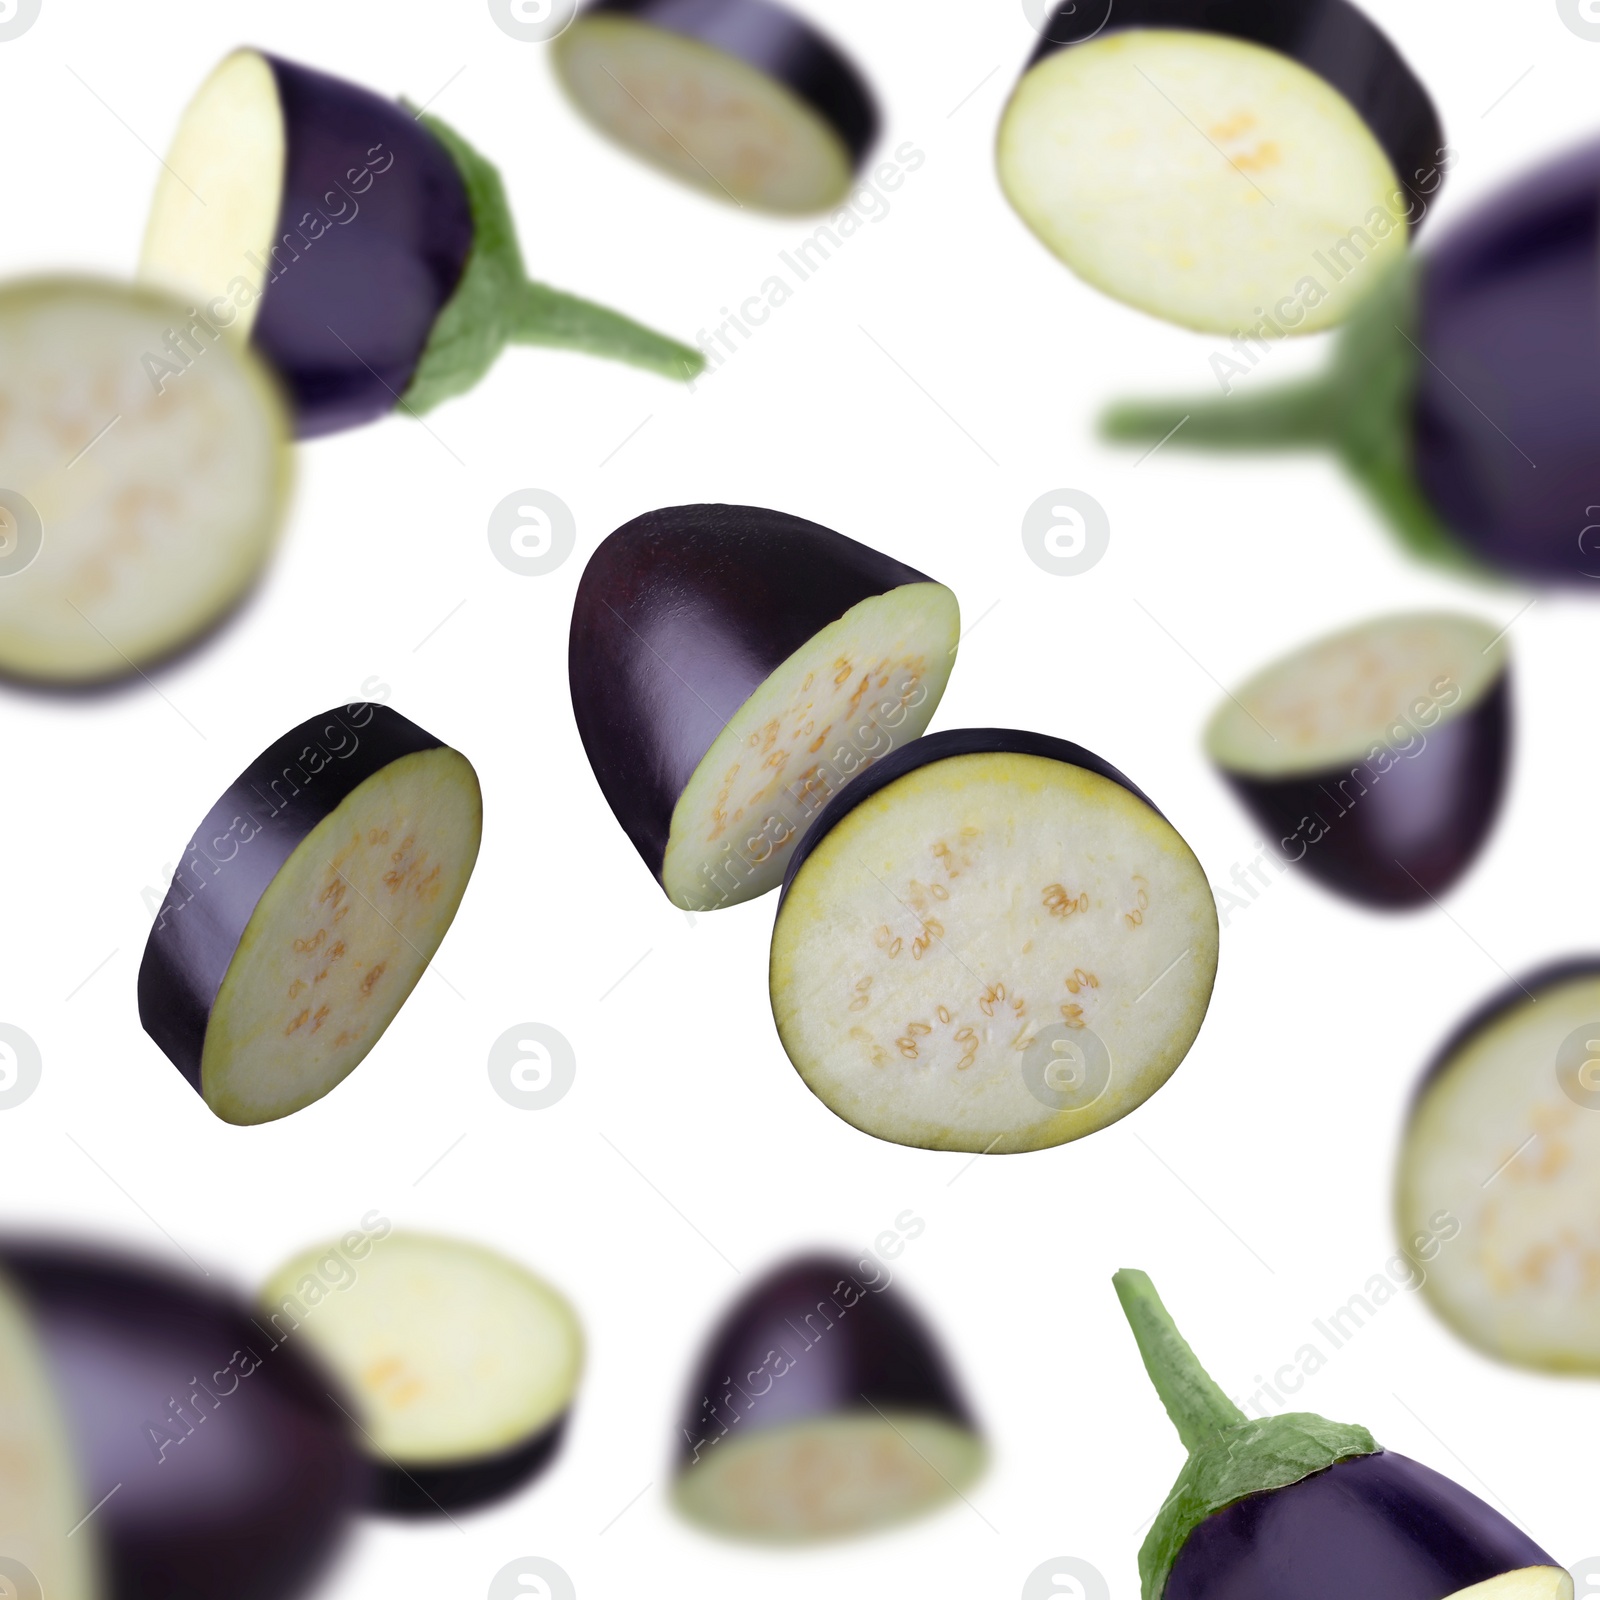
(823, 1407)
(1376, 757)
(741, 98)
(463, 1364)
(991, 942)
(141, 487)
(1208, 162)
(306, 908)
(155, 1443)
(365, 250)
(1500, 1163)
(733, 668)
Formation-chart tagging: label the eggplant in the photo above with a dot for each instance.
(1498, 1162)
(364, 249)
(1297, 1505)
(156, 1449)
(732, 668)
(1202, 160)
(133, 517)
(743, 99)
(462, 1363)
(822, 1407)
(1376, 757)
(990, 942)
(1460, 397)
(306, 908)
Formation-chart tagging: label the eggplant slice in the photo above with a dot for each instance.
(306, 909)
(740, 98)
(1504, 1138)
(1376, 757)
(992, 942)
(136, 509)
(463, 1364)
(822, 1408)
(731, 669)
(1202, 161)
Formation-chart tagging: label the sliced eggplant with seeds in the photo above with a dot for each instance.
(741, 98)
(991, 942)
(731, 669)
(463, 1364)
(307, 907)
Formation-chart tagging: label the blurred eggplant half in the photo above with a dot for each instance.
(135, 513)
(1206, 160)
(743, 99)
(306, 908)
(822, 1408)
(462, 1363)
(155, 1445)
(731, 669)
(1376, 757)
(990, 942)
(1503, 1141)
(1295, 1505)
(1461, 397)
(363, 248)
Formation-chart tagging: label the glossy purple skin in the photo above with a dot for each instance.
(844, 1346)
(1506, 412)
(366, 255)
(1328, 37)
(253, 1503)
(680, 616)
(1378, 1527)
(277, 800)
(428, 1491)
(1399, 837)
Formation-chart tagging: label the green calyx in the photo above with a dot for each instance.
(495, 304)
(1230, 1455)
(1360, 409)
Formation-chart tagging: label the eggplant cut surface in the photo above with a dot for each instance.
(137, 508)
(822, 1408)
(1208, 163)
(731, 669)
(1377, 757)
(740, 98)
(1515, 1093)
(306, 909)
(992, 942)
(463, 1363)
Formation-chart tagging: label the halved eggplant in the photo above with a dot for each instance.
(991, 942)
(822, 1407)
(1375, 757)
(1503, 1142)
(306, 908)
(154, 1446)
(367, 251)
(731, 669)
(462, 1363)
(741, 98)
(1205, 161)
(135, 513)
(1297, 1505)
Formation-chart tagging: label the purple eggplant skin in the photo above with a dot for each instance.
(427, 1491)
(1394, 830)
(230, 1466)
(774, 41)
(812, 1339)
(364, 258)
(237, 851)
(1328, 37)
(1381, 1526)
(680, 616)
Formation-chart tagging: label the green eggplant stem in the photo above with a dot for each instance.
(1302, 416)
(541, 315)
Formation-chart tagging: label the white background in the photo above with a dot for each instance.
(1255, 1188)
